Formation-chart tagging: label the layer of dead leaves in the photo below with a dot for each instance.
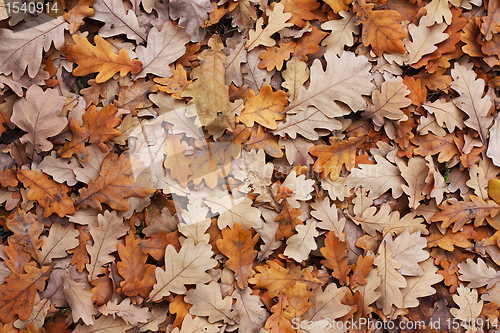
(244, 165)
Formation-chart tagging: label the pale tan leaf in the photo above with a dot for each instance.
(305, 123)
(235, 57)
(446, 113)
(408, 249)
(478, 182)
(409, 221)
(303, 242)
(437, 10)
(327, 304)
(80, 300)
(268, 233)
(294, 76)
(415, 175)
(61, 169)
(297, 151)
(117, 20)
(345, 80)
(198, 324)
(493, 151)
(21, 49)
(106, 324)
(342, 32)
(105, 235)
(420, 286)
(471, 99)
(191, 14)
(369, 291)
(469, 306)
(60, 239)
(253, 76)
(188, 266)
(235, 210)
(424, 39)
(37, 315)
(164, 47)
(39, 115)
(249, 311)
(392, 280)
(387, 102)
(131, 314)
(372, 221)
(478, 274)
(276, 22)
(328, 216)
(377, 178)
(301, 188)
(159, 315)
(91, 168)
(207, 301)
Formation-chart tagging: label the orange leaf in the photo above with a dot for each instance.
(262, 139)
(462, 212)
(309, 43)
(80, 255)
(115, 183)
(49, 194)
(8, 178)
(32, 329)
(275, 55)
(135, 96)
(380, 28)
(431, 144)
(449, 240)
(278, 322)
(297, 300)
(360, 271)
(335, 253)
(139, 276)
(238, 245)
(332, 157)
(17, 257)
(180, 308)
(265, 108)
(3, 120)
(26, 231)
(287, 220)
(275, 278)
(156, 244)
(176, 162)
(175, 84)
(103, 288)
(98, 126)
(91, 59)
(17, 295)
(80, 9)
(302, 11)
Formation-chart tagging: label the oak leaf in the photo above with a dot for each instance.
(424, 39)
(278, 321)
(49, 194)
(380, 28)
(104, 324)
(493, 151)
(302, 11)
(39, 115)
(335, 253)
(309, 43)
(17, 295)
(437, 10)
(303, 242)
(491, 22)
(164, 47)
(131, 314)
(463, 212)
(191, 14)
(469, 306)
(117, 21)
(274, 56)
(388, 102)
(265, 109)
(446, 113)
(138, 276)
(342, 32)
(209, 93)
(420, 286)
(332, 157)
(392, 280)
(415, 174)
(80, 256)
(238, 245)
(207, 301)
(327, 304)
(478, 274)
(276, 21)
(288, 220)
(77, 12)
(60, 239)
(262, 139)
(449, 239)
(248, 311)
(188, 266)
(116, 181)
(372, 221)
(91, 59)
(79, 299)
(345, 80)
(105, 235)
(431, 144)
(27, 231)
(328, 216)
(408, 249)
(60, 169)
(276, 278)
(175, 84)
(294, 76)
(471, 99)
(24, 48)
